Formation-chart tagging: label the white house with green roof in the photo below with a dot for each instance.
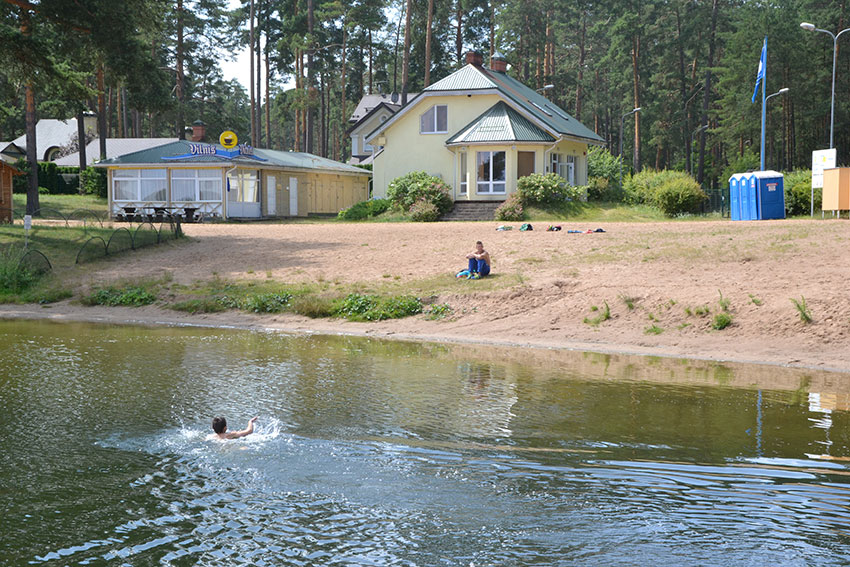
(480, 130)
(189, 179)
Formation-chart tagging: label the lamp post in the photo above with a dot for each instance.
(622, 120)
(811, 27)
(544, 88)
(764, 113)
(693, 136)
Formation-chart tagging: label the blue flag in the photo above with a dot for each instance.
(762, 68)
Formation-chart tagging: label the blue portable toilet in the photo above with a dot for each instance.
(770, 194)
(735, 196)
(747, 198)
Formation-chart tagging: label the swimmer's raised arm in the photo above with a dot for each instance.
(247, 431)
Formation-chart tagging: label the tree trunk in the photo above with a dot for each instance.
(428, 35)
(268, 95)
(582, 52)
(180, 125)
(636, 82)
(370, 65)
(683, 92)
(459, 35)
(101, 112)
(344, 116)
(405, 66)
(492, 29)
(707, 94)
(81, 138)
(251, 71)
(32, 156)
(259, 36)
(298, 87)
(310, 113)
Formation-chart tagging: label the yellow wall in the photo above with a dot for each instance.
(407, 150)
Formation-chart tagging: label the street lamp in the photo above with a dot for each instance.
(622, 120)
(811, 27)
(763, 129)
(693, 136)
(544, 88)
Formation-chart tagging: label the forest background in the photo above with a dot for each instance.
(149, 68)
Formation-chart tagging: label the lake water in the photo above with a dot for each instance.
(386, 453)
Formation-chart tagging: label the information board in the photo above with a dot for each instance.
(822, 159)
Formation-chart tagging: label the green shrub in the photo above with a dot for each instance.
(673, 192)
(680, 196)
(365, 209)
(93, 182)
(543, 189)
(440, 311)
(266, 302)
(511, 210)
(358, 307)
(721, 321)
(132, 296)
(406, 190)
(424, 211)
(601, 164)
(601, 189)
(798, 193)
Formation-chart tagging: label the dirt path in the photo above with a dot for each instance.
(654, 277)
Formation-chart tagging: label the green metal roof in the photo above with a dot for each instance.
(535, 105)
(165, 154)
(500, 123)
(467, 78)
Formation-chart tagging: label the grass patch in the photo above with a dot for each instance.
(440, 311)
(723, 302)
(756, 301)
(203, 305)
(313, 306)
(131, 296)
(802, 309)
(359, 307)
(65, 204)
(721, 321)
(653, 330)
(604, 315)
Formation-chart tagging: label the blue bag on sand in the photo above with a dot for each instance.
(462, 274)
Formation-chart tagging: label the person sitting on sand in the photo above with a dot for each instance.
(219, 425)
(479, 261)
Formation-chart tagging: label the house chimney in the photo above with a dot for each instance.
(199, 131)
(474, 58)
(498, 63)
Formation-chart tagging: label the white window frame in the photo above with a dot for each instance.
(565, 166)
(196, 179)
(134, 176)
(488, 186)
(464, 169)
(434, 120)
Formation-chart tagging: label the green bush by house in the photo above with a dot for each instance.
(365, 209)
(417, 186)
(673, 192)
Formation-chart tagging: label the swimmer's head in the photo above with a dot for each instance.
(219, 424)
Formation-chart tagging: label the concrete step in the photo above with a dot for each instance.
(472, 211)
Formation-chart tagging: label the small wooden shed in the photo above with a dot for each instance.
(6, 173)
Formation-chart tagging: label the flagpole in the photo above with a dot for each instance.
(763, 101)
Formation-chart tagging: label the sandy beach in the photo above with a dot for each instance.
(663, 284)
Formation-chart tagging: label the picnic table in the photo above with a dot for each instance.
(159, 213)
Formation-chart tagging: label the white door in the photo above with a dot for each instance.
(271, 200)
(293, 196)
(243, 195)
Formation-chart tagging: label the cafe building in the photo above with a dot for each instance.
(195, 180)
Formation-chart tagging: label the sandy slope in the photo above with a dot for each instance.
(545, 283)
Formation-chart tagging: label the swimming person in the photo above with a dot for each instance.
(479, 261)
(219, 425)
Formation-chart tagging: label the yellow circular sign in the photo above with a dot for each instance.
(228, 139)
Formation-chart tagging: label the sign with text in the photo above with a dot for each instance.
(822, 159)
